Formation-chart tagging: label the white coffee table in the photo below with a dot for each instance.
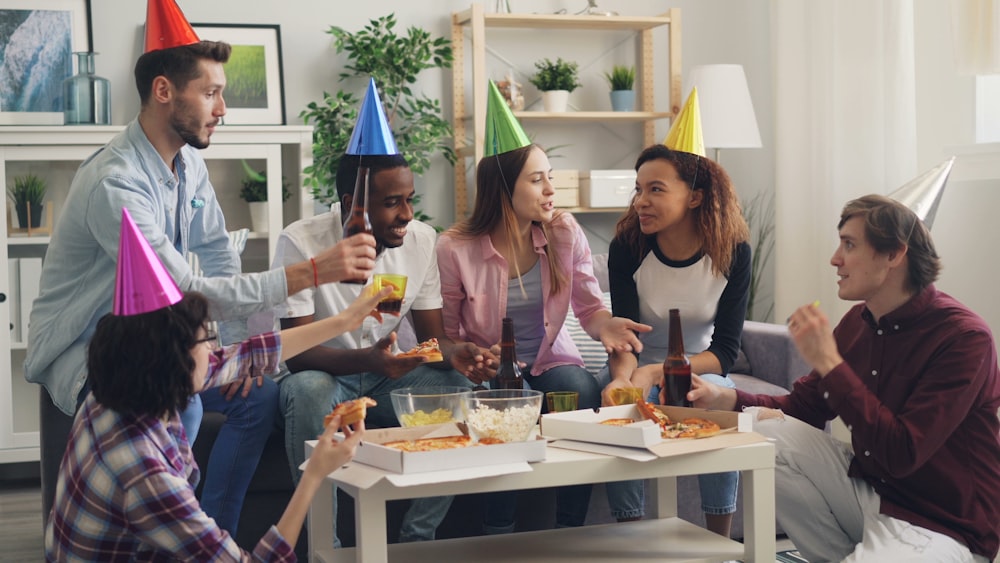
(663, 537)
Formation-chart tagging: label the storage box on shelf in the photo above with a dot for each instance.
(477, 20)
(55, 152)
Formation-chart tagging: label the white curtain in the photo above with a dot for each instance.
(845, 126)
(975, 28)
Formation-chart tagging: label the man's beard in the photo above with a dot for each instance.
(184, 129)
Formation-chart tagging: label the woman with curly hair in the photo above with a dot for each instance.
(682, 244)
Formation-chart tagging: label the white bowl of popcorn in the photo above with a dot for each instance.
(420, 406)
(502, 415)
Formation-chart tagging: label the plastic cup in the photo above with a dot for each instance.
(626, 395)
(562, 401)
(393, 303)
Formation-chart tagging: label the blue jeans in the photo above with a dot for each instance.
(307, 396)
(627, 499)
(571, 501)
(237, 448)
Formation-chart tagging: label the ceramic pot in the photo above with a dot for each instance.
(555, 100)
(623, 100)
(258, 216)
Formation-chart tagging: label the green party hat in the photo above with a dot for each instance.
(685, 133)
(503, 132)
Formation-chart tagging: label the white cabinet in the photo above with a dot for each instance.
(477, 21)
(54, 153)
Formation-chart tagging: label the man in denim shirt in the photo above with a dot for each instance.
(153, 169)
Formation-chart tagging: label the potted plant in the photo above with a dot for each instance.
(27, 194)
(254, 192)
(394, 61)
(556, 80)
(621, 79)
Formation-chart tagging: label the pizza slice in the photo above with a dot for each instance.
(617, 421)
(430, 444)
(652, 413)
(691, 428)
(351, 412)
(428, 349)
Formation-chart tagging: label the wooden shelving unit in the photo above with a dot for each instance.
(478, 21)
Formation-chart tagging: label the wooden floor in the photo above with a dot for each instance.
(21, 538)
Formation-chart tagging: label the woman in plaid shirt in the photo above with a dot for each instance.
(126, 483)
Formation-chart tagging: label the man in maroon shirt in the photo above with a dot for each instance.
(913, 373)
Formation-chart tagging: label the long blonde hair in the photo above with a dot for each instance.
(496, 177)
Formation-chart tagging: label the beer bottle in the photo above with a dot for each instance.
(508, 374)
(358, 221)
(676, 367)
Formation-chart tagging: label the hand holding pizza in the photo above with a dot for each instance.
(387, 364)
(330, 454)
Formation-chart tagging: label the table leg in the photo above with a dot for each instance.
(320, 521)
(758, 514)
(664, 493)
(370, 530)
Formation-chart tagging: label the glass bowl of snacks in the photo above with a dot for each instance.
(420, 406)
(502, 415)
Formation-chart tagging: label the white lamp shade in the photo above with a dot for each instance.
(727, 117)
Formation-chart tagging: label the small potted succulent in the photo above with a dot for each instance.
(254, 192)
(27, 194)
(621, 79)
(556, 80)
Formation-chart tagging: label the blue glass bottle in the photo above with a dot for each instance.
(87, 97)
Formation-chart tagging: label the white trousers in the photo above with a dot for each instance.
(832, 517)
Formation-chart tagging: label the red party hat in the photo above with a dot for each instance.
(142, 284)
(166, 26)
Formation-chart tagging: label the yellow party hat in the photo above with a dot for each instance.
(685, 133)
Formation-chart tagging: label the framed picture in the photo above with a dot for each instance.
(37, 42)
(255, 87)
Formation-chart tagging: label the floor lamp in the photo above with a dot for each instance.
(727, 117)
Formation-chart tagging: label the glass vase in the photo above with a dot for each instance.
(86, 97)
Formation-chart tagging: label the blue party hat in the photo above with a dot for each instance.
(372, 135)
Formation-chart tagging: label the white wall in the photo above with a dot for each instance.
(311, 66)
(714, 31)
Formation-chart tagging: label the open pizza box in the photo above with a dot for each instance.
(445, 465)
(582, 430)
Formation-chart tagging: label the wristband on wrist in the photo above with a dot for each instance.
(315, 272)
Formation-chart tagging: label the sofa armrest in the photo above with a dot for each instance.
(771, 354)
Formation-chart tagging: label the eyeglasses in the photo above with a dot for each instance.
(211, 338)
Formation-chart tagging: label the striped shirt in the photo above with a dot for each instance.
(126, 483)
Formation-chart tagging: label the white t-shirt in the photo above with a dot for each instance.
(415, 259)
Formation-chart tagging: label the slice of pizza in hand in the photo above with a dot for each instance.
(428, 349)
(652, 413)
(350, 412)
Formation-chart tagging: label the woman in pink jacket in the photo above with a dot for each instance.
(517, 256)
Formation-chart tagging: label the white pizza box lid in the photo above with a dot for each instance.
(375, 461)
(581, 430)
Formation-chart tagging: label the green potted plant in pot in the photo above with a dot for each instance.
(621, 79)
(556, 80)
(254, 192)
(27, 194)
(394, 60)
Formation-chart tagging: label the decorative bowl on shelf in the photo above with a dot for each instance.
(505, 415)
(420, 406)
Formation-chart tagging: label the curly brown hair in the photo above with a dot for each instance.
(719, 218)
(141, 365)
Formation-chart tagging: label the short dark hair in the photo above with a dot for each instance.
(889, 226)
(347, 170)
(178, 64)
(141, 365)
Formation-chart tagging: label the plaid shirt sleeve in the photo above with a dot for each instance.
(257, 355)
(166, 516)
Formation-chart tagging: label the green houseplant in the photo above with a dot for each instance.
(556, 80)
(621, 79)
(759, 215)
(27, 193)
(254, 186)
(394, 60)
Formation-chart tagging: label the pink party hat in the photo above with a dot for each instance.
(142, 284)
(167, 27)
(372, 135)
